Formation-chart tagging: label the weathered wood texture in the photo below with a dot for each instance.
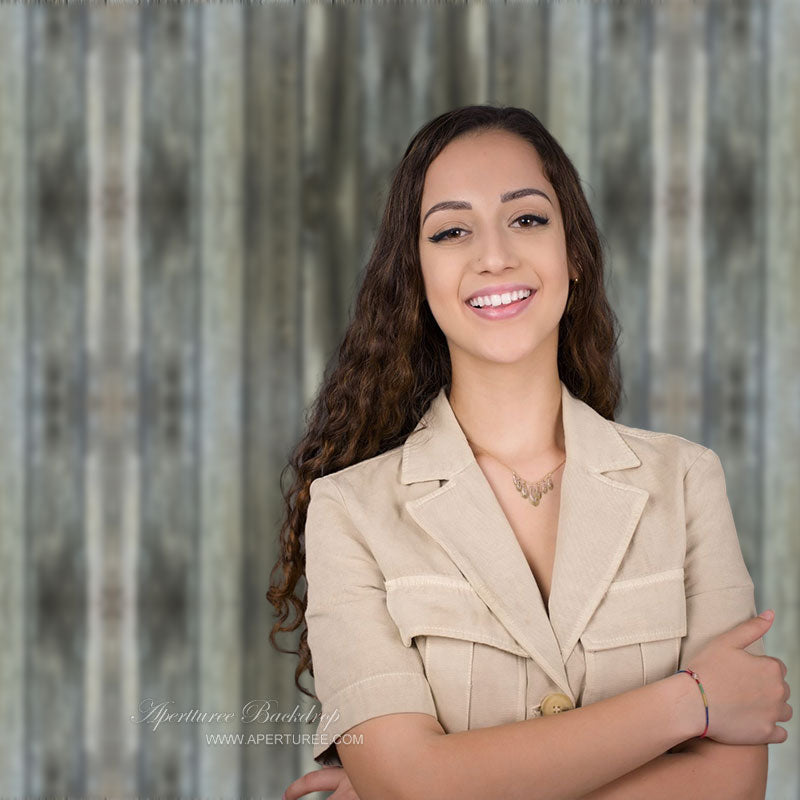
(776, 534)
(15, 615)
(169, 205)
(274, 307)
(188, 194)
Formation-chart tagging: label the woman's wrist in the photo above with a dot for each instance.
(689, 712)
(696, 678)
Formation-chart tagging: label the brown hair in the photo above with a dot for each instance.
(393, 358)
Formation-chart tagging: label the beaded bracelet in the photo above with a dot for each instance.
(694, 675)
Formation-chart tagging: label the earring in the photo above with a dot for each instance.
(574, 282)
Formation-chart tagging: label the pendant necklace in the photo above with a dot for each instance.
(532, 491)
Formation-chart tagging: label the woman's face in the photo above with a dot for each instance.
(494, 243)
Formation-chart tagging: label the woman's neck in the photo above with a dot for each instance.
(519, 423)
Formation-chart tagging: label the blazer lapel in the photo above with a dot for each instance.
(597, 518)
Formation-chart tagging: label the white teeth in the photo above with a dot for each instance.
(499, 299)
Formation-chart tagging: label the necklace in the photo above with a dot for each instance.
(530, 491)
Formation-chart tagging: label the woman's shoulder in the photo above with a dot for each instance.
(661, 447)
(374, 472)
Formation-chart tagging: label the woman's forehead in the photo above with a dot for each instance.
(485, 168)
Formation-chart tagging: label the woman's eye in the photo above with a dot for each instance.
(540, 220)
(444, 235)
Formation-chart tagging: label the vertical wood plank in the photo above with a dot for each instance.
(622, 177)
(328, 222)
(101, 754)
(220, 644)
(129, 502)
(168, 559)
(56, 557)
(734, 258)
(780, 581)
(13, 160)
(272, 352)
(425, 89)
(569, 82)
(520, 51)
(677, 286)
(111, 494)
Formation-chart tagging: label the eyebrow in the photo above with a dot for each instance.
(459, 205)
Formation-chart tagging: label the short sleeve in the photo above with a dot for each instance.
(362, 669)
(719, 589)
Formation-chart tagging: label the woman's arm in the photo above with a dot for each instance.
(727, 772)
(567, 755)
(364, 672)
(703, 769)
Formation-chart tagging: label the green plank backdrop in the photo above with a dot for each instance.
(187, 196)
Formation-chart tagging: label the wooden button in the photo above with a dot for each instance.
(555, 704)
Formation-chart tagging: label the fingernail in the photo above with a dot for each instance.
(768, 614)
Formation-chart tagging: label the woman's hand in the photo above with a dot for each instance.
(747, 694)
(327, 779)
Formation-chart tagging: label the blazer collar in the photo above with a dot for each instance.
(597, 517)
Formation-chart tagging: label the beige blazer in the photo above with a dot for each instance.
(421, 599)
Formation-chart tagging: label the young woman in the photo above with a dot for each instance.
(502, 581)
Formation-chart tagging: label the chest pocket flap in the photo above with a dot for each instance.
(438, 605)
(644, 609)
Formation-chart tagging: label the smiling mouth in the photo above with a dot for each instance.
(499, 300)
(517, 306)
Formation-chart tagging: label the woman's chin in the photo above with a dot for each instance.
(503, 355)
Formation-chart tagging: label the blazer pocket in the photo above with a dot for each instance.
(475, 668)
(634, 636)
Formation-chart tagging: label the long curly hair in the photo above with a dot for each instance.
(393, 358)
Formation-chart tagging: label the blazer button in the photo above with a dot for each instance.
(556, 703)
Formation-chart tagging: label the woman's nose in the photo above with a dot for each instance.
(495, 252)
